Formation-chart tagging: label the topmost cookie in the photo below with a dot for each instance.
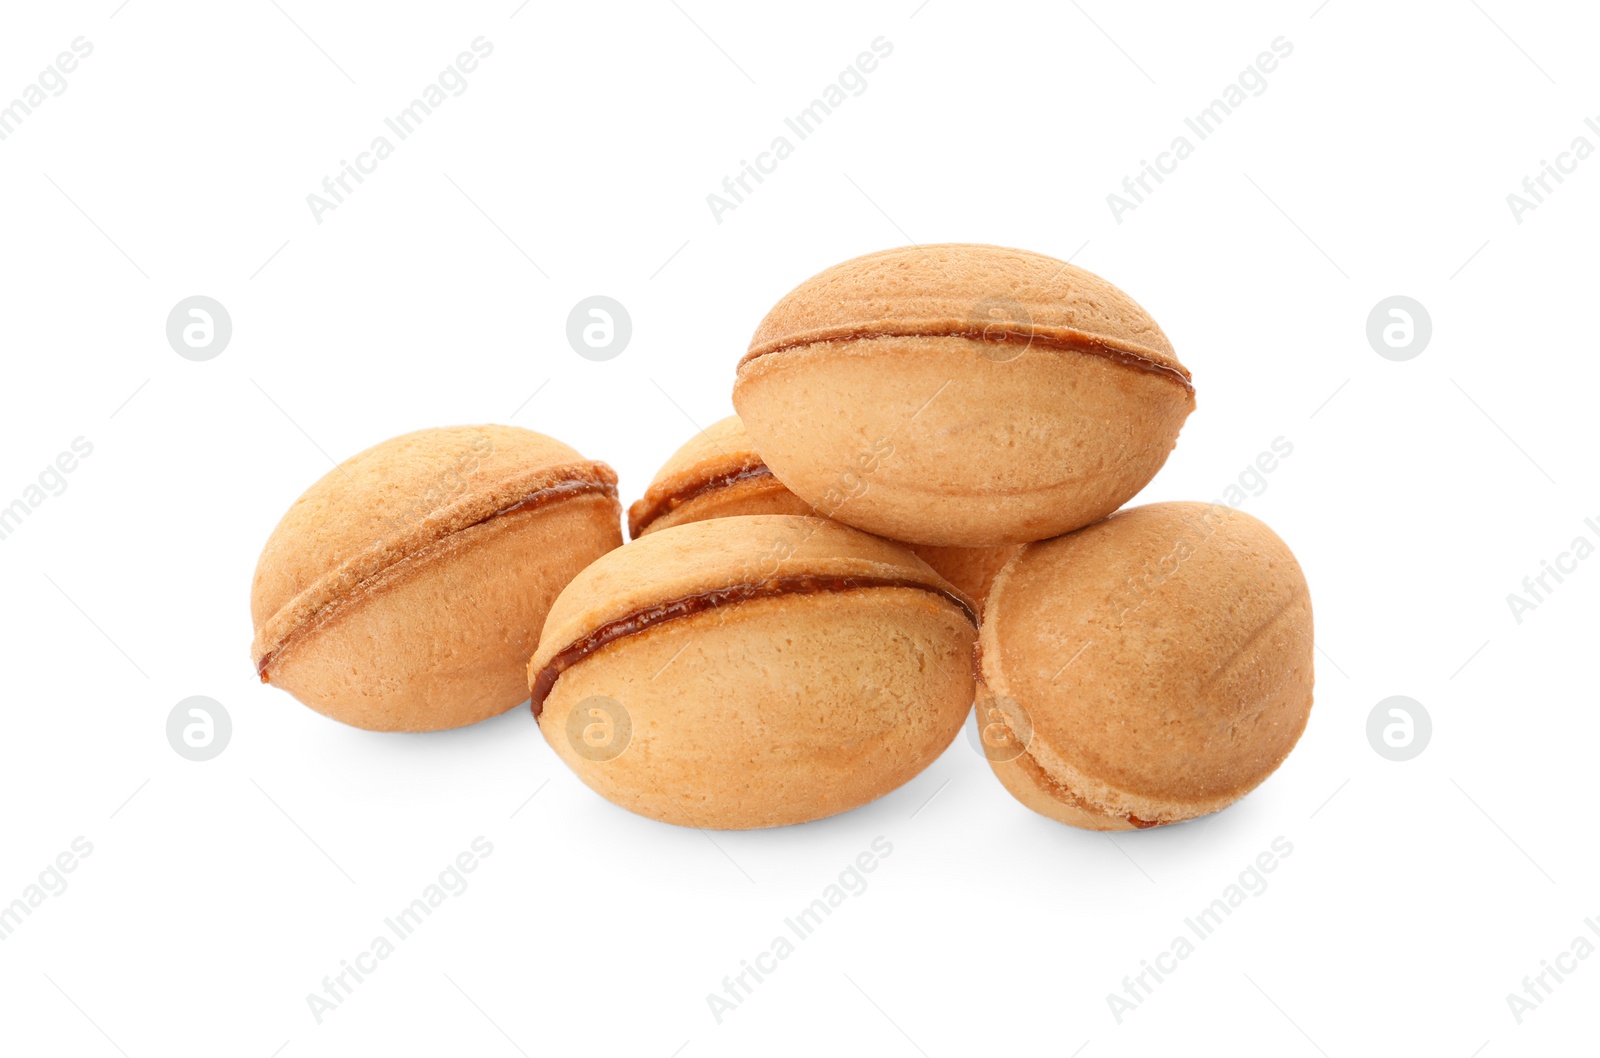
(962, 395)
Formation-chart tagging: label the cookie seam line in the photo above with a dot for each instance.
(1125, 353)
(602, 483)
(699, 485)
(604, 634)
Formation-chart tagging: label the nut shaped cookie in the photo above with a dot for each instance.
(405, 590)
(718, 474)
(1150, 668)
(753, 671)
(983, 396)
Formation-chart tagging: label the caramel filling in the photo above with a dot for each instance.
(533, 501)
(1053, 787)
(689, 605)
(638, 523)
(1078, 343)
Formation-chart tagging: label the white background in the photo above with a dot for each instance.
(1418, 495)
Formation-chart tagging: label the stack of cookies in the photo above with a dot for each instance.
(919, 507)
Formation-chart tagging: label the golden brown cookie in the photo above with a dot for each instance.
(405, 590)
(962, 395)
(719, 474)
(753, 671)
(1150, 668)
